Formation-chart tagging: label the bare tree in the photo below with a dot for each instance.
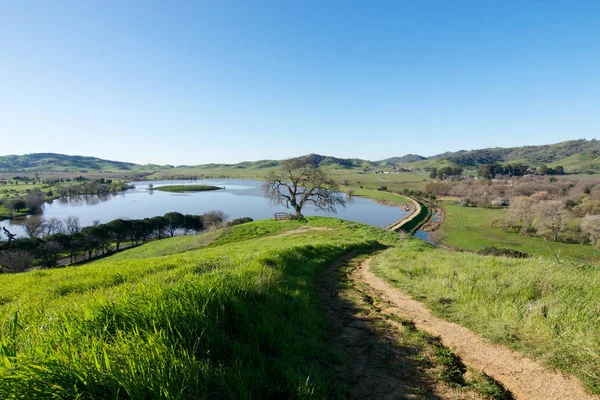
(590, 225)
(552, 218)
(298, 182)
(53, 225)
(72, 225)
(214, 219)
(34, 226)
(521, 214)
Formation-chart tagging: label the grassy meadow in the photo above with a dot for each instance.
(380, 195)
(233, 314)
(469, 228)
(547, 310)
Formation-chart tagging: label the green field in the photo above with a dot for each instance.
(370, 180)
(379, 195)
(537, 306)
(469, 228)
(187, 188)
(238, 317)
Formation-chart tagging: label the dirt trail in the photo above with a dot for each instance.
(416, 209)
(383, 359)
(523, 377)
(303, 229)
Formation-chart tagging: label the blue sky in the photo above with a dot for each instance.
(191, 82)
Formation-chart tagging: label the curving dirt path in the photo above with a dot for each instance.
(380, 358)
(523, 377)
(416, 209)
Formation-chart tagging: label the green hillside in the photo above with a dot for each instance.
(52, 162)
(576, 156)
(236, 313)
(240, 318)
(408, 158)
(538, 306)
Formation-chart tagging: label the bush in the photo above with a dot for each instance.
(495, 251)
(239, 221)
(467, 202)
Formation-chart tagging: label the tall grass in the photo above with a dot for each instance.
(236, 320)
(548, 310)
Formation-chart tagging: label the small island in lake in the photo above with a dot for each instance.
(187, 188)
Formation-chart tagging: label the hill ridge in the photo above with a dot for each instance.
(576, 156)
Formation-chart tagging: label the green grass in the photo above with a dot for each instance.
(4, 214)
(380, 195)
(168, 246)
(187, 188)
(414, 224)
(537, 306)
(399, 181)
(469, 228)
(240, 318)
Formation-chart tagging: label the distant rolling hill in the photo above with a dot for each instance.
(53, 162)
(409, 158)
(576, 156)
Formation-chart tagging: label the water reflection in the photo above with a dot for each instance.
(84, 199)
(240, 198)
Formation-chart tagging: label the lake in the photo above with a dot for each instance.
(240, 198)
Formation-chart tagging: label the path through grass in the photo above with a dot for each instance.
(547, 310)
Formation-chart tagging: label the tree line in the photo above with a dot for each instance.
(50, 240)
(560, 210)
(494, 170)
(491, 171)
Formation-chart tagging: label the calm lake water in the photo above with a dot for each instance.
(240, 198)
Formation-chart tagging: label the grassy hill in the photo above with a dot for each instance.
(236, 313)
(234, 316)
(576, 156)
(537, 306)
(408, 158)
(52, 162)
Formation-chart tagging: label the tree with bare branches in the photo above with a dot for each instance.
(590, 225)
(551, 219)
(298, 182)
(34, 226)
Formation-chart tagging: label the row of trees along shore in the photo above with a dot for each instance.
(35, 197)
(51, 240)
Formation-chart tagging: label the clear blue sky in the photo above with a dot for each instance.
(189, 82)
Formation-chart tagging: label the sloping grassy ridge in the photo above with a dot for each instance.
(239, 319)
(547, 310)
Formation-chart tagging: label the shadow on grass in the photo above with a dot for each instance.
(373, 360)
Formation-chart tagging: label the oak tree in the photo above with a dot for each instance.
(298, 182)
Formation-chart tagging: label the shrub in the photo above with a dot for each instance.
(239, 221)
(495, 251)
